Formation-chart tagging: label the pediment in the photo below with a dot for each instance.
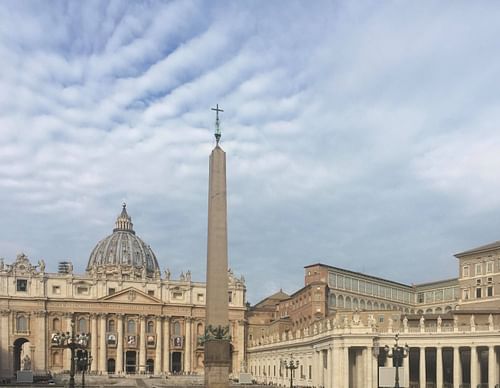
(130, 295)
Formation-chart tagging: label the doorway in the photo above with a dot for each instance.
(21, 353)
(111, 365)
(176, 362)
(130, 361)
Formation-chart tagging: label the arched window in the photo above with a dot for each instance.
(177, 328)
(56, 324)
(382, 306)
(347, 302)
(355, 304)
(438, 310)
(111, 325)
(375, 306)
(369, 305)
(362, 304)
(447, 308)
(150, 327)
(131, 326)
(428, 311)
(341, 301)
(21, 324)
(333, 300)
(82, 325)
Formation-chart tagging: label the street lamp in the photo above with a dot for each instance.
(290, 365)
(83, 359)
(72, 342)
(397, 353)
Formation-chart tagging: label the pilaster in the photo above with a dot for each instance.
(158, 360)
(166, 345)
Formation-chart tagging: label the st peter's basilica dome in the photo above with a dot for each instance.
(123, 252)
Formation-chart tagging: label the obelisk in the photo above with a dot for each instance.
(217, 339)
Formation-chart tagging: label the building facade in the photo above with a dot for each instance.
(139, 320)
(338, 324)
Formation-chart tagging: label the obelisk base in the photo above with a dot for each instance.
(217, 363)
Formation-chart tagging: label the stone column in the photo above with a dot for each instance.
(422, 376)
(240, 326)
(93, 341)
(158, 361)
(40, 360)
(492, 366)
(315, 367)
(345, 362)
(5, 365)
(67, 352)
(439, 367)
(327, 370)
(474, 375)
(142, 342)
(166, 345)
(188, 356)
(457, 368)
(119, 344)
(369, 366)
(102, 345)
(406, 366)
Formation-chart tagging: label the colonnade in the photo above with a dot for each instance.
(340, 365)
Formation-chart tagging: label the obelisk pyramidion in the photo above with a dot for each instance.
(217, 339)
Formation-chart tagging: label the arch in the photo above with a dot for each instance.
(333, 300)
(447, 309)
(150, 327)
(420, 312)
(341, 301)
(375, 306)
(428, 311)
(369, 305)
(111, 325)
(355, 304)
(362, 304)
(131, 326)
(56, 324)
(382, 306)
(20, 350)
(348, 304)
(438, 310)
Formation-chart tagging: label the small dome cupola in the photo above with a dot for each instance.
(124, 221)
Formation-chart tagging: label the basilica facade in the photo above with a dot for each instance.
(139, 319)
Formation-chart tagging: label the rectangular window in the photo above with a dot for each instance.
(420, 297)
(438, 295)
(490, 280)
(347, 283)
(332, 278)
(56, 290)
(111, 291)
(230, 296)
(355, 285)
(465, 271)
(177, 295)
(478, 269)
(362, 286)
(490, 291)
(82, 290)
(369, 288)
(466, 294)
(340, 281)
(478, 293)
(22, 285)
(489, 267)
(310, 372)
(200, 297)
(151, 293)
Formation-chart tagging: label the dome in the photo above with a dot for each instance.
(123, 252)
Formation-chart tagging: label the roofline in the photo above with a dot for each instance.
(359, 273)
(435, 282)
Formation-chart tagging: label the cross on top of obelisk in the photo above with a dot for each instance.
(217, 123)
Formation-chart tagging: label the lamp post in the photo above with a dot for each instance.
(72, 342)
(290, 365)
(397, 353)
(83, 359)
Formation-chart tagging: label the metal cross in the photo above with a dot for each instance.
(217, 123)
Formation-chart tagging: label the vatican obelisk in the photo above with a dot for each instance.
(217, 339)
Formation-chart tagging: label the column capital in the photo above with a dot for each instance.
(68, 315)
(189, 319)
(5, 313)
(40, 313)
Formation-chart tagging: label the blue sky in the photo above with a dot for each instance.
(363, 135)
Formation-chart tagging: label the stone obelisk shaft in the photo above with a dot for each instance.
(217, 353)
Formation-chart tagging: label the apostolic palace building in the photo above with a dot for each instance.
(334, 329)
